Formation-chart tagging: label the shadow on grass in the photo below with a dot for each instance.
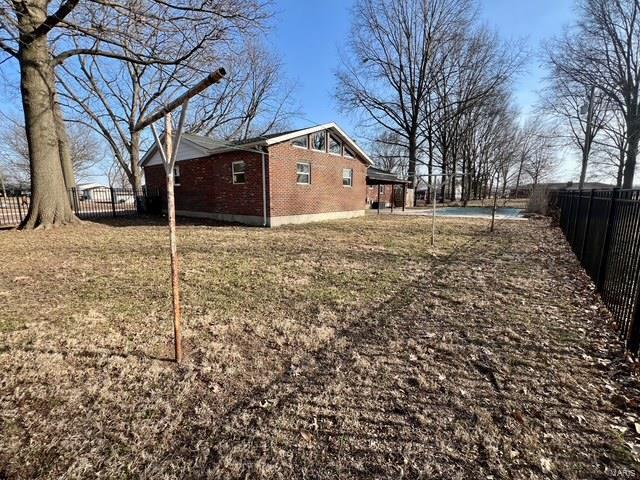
(371, 404)
(90, 353)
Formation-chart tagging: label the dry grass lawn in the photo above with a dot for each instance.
(347, 349)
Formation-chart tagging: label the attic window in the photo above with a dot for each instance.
(302, 142)
(335, 145)
(348, 153)
(319, 141)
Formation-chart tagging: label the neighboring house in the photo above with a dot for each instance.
(94, 192)
(299, 176)
(82, 187)
(383, 187)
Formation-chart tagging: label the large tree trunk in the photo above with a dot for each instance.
(583, 168)
(64, 149)
(454, 171)
(522, 159)
(413, 153)
(430, 166)
(136, 172)
(49, 201)
(633, 129)
(620, 173)
(443, 183)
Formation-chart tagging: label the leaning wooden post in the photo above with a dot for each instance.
(168, 153)
(171, 213)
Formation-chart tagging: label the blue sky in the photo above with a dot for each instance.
(309, 35)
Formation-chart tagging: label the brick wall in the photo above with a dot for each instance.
(325, 193)
(206, 184)
(385, 194)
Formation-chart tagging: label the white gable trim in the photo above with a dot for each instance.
(189, 150)
(325, 126)
(186, 151)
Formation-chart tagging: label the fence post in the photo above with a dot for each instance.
(604, 251)
(586, 227)
(113, 202)
(19, 201)
(633, 335)
(575, 221)
(74, 195)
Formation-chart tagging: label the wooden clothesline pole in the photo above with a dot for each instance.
(168, 153)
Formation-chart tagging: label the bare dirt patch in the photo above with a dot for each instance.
(338, 350)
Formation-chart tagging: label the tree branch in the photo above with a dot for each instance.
(52, 20)
(8, 49)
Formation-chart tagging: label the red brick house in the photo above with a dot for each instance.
(305, 175)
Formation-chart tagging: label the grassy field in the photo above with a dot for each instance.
(346, 349)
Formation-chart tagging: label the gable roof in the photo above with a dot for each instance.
(208, 146)
(379, 176)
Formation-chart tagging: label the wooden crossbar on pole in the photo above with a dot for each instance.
(168, 153)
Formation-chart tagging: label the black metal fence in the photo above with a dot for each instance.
(98, 202)
(603, 228)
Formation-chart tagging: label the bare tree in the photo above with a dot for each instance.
(473, 77)
(582, 111)
(113, 96)
(602, 50)
(41, 35)
(254, 100)
(542, 160)
(116, 175)
(389, 154)
(85, 150)
(527, 140)
(611, 149)
(395, 46)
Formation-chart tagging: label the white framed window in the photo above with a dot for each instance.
(335, 145)
(303, 173)
(176, 175)
(347, 177)
(348, 153)
(319, 141)
(301, 142)
(381, 189)
(238, 171)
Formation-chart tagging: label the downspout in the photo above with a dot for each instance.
(264, 192)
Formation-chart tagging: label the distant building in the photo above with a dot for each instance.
(524, 191)
(91, 191)
(385, 188)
